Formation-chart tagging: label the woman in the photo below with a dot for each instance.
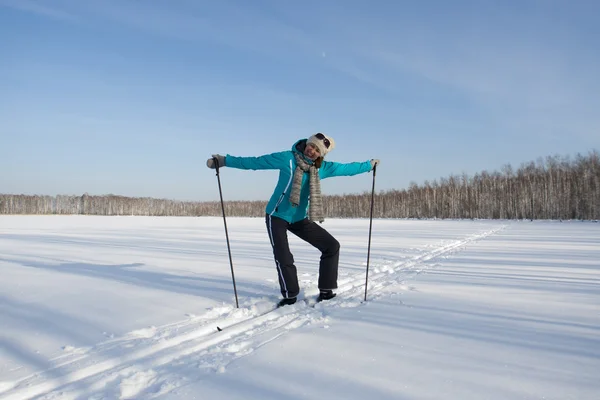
(298, 191)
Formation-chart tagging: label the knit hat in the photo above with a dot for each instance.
(322, 142)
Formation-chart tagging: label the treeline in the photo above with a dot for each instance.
(551, 188)
(120, 205)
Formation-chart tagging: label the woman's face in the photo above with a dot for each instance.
(312, 152)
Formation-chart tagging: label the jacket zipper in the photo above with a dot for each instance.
(286, 189)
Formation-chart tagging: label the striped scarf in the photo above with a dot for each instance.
(315, 212)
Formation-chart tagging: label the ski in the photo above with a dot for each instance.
(308, 301)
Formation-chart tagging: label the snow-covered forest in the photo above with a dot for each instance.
(551, 188)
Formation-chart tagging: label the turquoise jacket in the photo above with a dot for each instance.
(279, 205)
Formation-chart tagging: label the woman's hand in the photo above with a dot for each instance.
(220, 161)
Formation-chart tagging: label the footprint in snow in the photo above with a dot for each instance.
(131, 386)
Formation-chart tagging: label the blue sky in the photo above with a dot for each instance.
(131, 97)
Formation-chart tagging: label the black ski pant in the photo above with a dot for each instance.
(312, 233)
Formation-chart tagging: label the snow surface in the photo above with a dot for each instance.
(128, 308)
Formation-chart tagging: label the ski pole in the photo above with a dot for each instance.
(226, 234)
(370, 229)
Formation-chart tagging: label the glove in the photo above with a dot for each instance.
(210, 163)
(374, 162)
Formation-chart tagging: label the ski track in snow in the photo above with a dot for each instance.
(153, 361)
